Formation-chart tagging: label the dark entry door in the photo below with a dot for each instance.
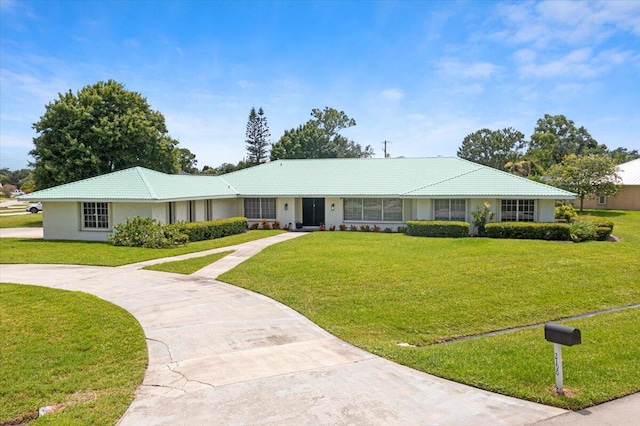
(312, 211)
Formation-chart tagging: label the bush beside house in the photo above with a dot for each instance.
(437, 228)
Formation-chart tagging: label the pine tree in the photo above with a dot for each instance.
(257, 137)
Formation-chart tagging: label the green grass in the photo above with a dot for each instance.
(605, 366)
(188, 266)
(21, 221)
(378, 290)
(67, 347)
(16, 250)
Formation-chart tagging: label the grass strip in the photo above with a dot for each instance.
(21, 221)
(521, 364)
(16, 250)
(67, 347)
(187, 266)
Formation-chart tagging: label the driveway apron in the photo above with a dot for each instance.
(222, 355)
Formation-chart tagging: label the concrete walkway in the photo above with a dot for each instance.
(219, 354)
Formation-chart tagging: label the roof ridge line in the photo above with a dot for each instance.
(146, 182)
(228, 184)
(443, 180)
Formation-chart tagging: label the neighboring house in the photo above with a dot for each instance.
(383, 192)
(628, 197)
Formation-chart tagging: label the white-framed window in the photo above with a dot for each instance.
(602, 200)
(372, 209)
(518, 211)
(260, 208)
(450, 209)
(95, 215)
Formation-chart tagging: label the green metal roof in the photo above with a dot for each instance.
(136, 184)
(381, 177)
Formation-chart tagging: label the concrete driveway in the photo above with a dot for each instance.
(219, 354)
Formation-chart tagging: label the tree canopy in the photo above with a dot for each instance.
(257, 137)
(320, 138)
(493, 148)
(100, 129)
(587, 176)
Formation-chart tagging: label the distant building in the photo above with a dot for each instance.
(628, 198)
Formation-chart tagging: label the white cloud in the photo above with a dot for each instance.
(470, 70)
(392, 94)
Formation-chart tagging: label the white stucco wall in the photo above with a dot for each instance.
(286, 216)
(333, 217)
(424, 209)
(62, 221)
(546, 210)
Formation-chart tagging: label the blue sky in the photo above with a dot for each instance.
(421, 74)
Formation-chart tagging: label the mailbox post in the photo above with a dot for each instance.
(561, 335)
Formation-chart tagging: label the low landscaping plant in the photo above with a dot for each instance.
(437, 228)
(146, 232)
(566, 212)
(528, 230)
(604, 227)
(201, 231)
(482, 216)
(582, 230)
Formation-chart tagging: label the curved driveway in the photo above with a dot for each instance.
(219, 354)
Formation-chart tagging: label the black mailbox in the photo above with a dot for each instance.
(561, 334)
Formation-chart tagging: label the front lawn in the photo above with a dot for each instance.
(378, 290)
(16, 250)
(72, 348)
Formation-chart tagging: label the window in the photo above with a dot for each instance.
(602, 200)
(453, 209)
(373, 209)
(260, 208)
(95, 215)
(517, 210)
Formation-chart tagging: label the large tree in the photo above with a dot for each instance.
(587, 176)
(100, 129)
(493, 148)
(555, 137)
(320, 138)
(188, 161)
(257, 137)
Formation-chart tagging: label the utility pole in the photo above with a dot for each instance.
(385, 149)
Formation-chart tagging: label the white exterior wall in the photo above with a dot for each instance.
(63, 221)
(120, 212)
(424, 209)
(228, 207)
(546, 210)
(336, 216)
(286, 216)
(159, 212)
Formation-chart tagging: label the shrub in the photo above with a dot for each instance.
(342, 227)
(437, 228)
(321, 228)
(604, 227)
(365, 228)
(254, 226)
(481, 216)
(353, 228)
(332, 228)
(276, 224)
(200, 231)
(387, 230)
(287, 227)
(528, 230)
(401, 229)
(146, 232)
(566, 212)
(376, 228)
(265, 224)
(582, 230)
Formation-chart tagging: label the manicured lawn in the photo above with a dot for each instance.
(189, 266)
(378, 290)
(21, 221)
(67, 347)
(16, 250)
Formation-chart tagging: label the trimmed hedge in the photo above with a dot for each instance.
(437, 228)
(528, 230)
(200, 231)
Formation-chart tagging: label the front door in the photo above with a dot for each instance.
(312, 211)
